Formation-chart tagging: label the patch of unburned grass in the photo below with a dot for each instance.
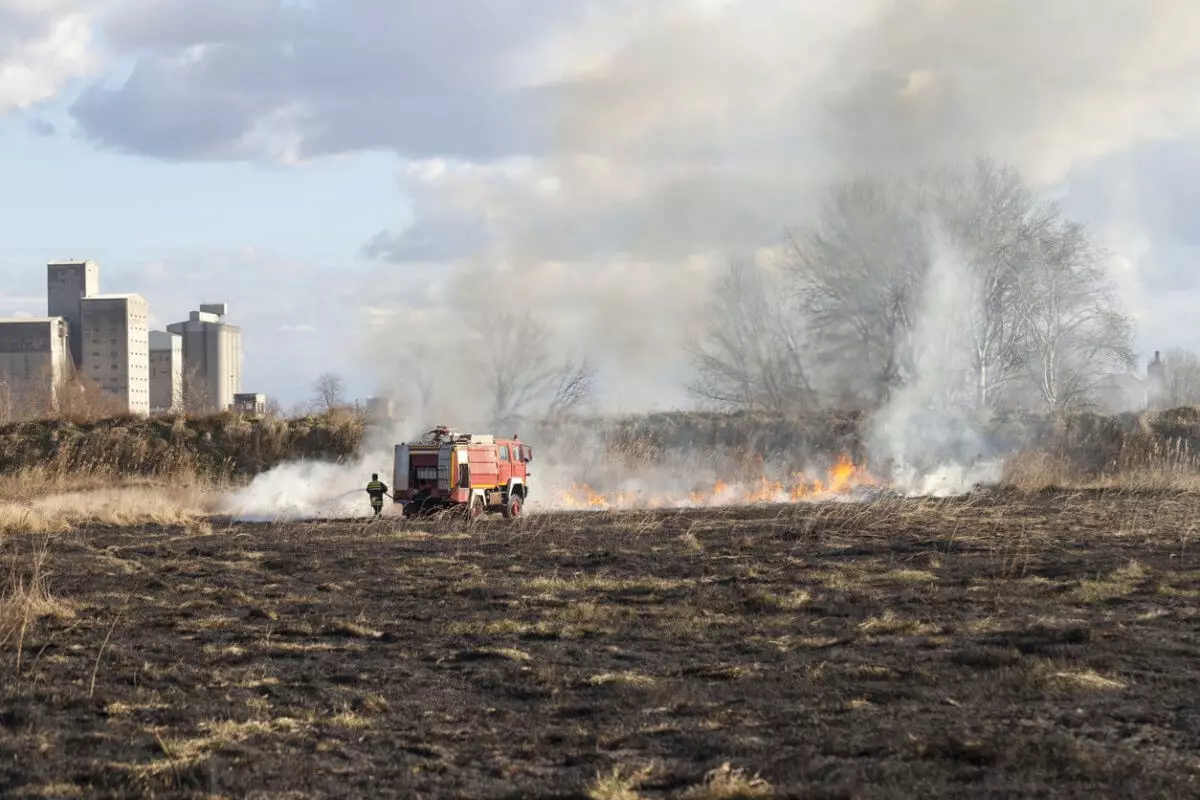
(1118, 584)
(216, 735)
(1082, 680)
(114, 506)
(617, 785)
(603, 583)
(905, 576)
(891, 624)
(55, 790)
(727, 783)
(627, 678)
(571, 621)
(351, 628)
(350, 720)
(25, 596)
(503, 653)
(489, 627)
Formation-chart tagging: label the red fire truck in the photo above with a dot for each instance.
(470, 471)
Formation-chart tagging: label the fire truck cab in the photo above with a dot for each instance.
(475, 472)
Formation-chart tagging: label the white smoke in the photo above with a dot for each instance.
(313, 490)
(302, 491)
(928, 435)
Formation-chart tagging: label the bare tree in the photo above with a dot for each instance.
(80, 398)
(193, 394)
(521, 371)
(749, 356)
(989, 216)
(419, 371)
(960, 277)
(274, 409)
(1075, 334)
(37, 393)
(329, 392)
(574, 385)
(858, 274)
(1182, 378)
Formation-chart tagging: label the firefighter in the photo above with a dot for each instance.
(377, 489)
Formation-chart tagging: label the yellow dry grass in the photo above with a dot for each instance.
(46, 501)
(727, 783)
(25, 597)
(627, 678)
(617, 785)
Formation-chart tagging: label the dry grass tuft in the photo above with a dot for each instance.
(55, 790)
(618, 786)
(726, 783)
(505, 653)
(352, 629)
(25, 597)
(890, 624)
(627, 678)
(1120, 583)
(40, 501)
(1087, 680)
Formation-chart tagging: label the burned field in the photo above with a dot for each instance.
(992, 646)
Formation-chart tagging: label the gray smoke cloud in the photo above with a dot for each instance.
(630, 151)
(700, 131)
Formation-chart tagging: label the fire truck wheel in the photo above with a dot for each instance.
(513, 508)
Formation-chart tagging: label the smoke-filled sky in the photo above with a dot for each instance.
(339, 169)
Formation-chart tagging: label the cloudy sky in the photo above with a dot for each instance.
(340, 171)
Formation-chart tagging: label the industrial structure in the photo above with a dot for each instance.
(106, 339)
(212, 357)
(116, 347)
(166, 372)
(67, 284)
(250, 404)
(1156, 383)
(34, 357)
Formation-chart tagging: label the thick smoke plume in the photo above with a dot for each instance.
(309, 490)
(926, 434)
(655, 144)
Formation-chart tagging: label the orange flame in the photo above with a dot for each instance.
(842, 478)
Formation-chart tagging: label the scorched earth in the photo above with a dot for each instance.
(990, 646)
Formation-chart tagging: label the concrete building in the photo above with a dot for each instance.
(34, 359)
(252, 405)
(67, 284)
(116, 347)
(212, 355)
(1156, 383)
(166, 372)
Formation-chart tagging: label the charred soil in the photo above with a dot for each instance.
(995, 646)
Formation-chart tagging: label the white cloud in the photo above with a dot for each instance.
(593, 159)
(43, 45)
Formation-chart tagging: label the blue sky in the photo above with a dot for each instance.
(186, 233)
(342, 173)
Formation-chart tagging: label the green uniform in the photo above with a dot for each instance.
(377, 489)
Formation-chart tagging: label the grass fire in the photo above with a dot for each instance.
(818, 634)
(670, 400)
(843, 480)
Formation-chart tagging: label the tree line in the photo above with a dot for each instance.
(960, 277)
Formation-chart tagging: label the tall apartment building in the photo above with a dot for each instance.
(166, 371)
(116, 347)
(212, 355)
(67, 284)
(34, 359)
